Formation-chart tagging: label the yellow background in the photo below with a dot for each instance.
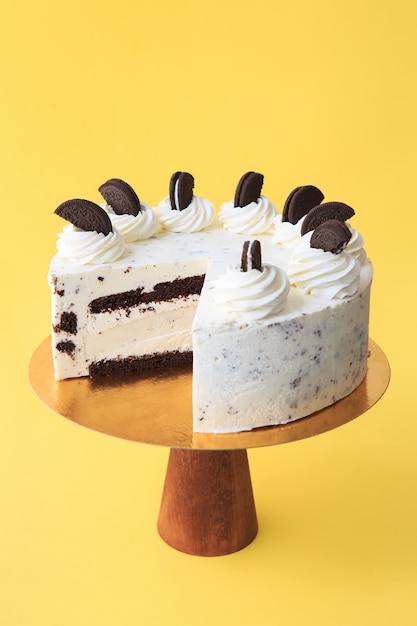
(320, 93)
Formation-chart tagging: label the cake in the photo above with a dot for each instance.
(271, 309)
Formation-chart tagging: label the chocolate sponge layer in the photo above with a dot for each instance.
(133, 365)
(179, 288)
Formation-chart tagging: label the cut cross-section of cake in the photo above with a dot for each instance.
(133, 313)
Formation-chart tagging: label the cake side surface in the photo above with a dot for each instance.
(277, 370)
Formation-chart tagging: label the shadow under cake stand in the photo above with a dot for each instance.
(207, 506)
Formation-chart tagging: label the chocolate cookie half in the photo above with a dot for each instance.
(251, 256)
(331, 236)
(181, 188)
(300, 201)
(121, 196)
(248, 189)
(326, 211)
(85, 215)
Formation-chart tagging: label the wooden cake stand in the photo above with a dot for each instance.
(207, 506)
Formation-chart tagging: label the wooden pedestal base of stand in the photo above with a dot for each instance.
(207, 506)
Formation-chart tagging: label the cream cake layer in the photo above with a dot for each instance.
(98, 310)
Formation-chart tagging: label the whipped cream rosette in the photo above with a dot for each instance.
(132, 217)
(134, 227)
(89, 247)
(323, 273)
(182, 211)
(285, 233)
(250, 213)
(90, 238)
(252, 291)
(354, 246)
(198, 215)
(254, 218)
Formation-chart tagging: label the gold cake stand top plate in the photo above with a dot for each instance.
(157, 408)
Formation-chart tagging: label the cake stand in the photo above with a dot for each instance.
(207, 506)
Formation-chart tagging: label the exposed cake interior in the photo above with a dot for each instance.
(124, 316)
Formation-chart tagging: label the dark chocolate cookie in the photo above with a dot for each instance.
(122, 198)
(181, 188)
(85, 215)
(300, 201)
(251, 256)
(326, 211)
(248, 189)
(331, 236)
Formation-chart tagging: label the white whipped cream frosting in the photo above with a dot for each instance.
(144, 225)
(355, 245)
(284, 233)
(253, 219)
(323, 274)
(254, 294)
(199, 214)
(89, 247)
